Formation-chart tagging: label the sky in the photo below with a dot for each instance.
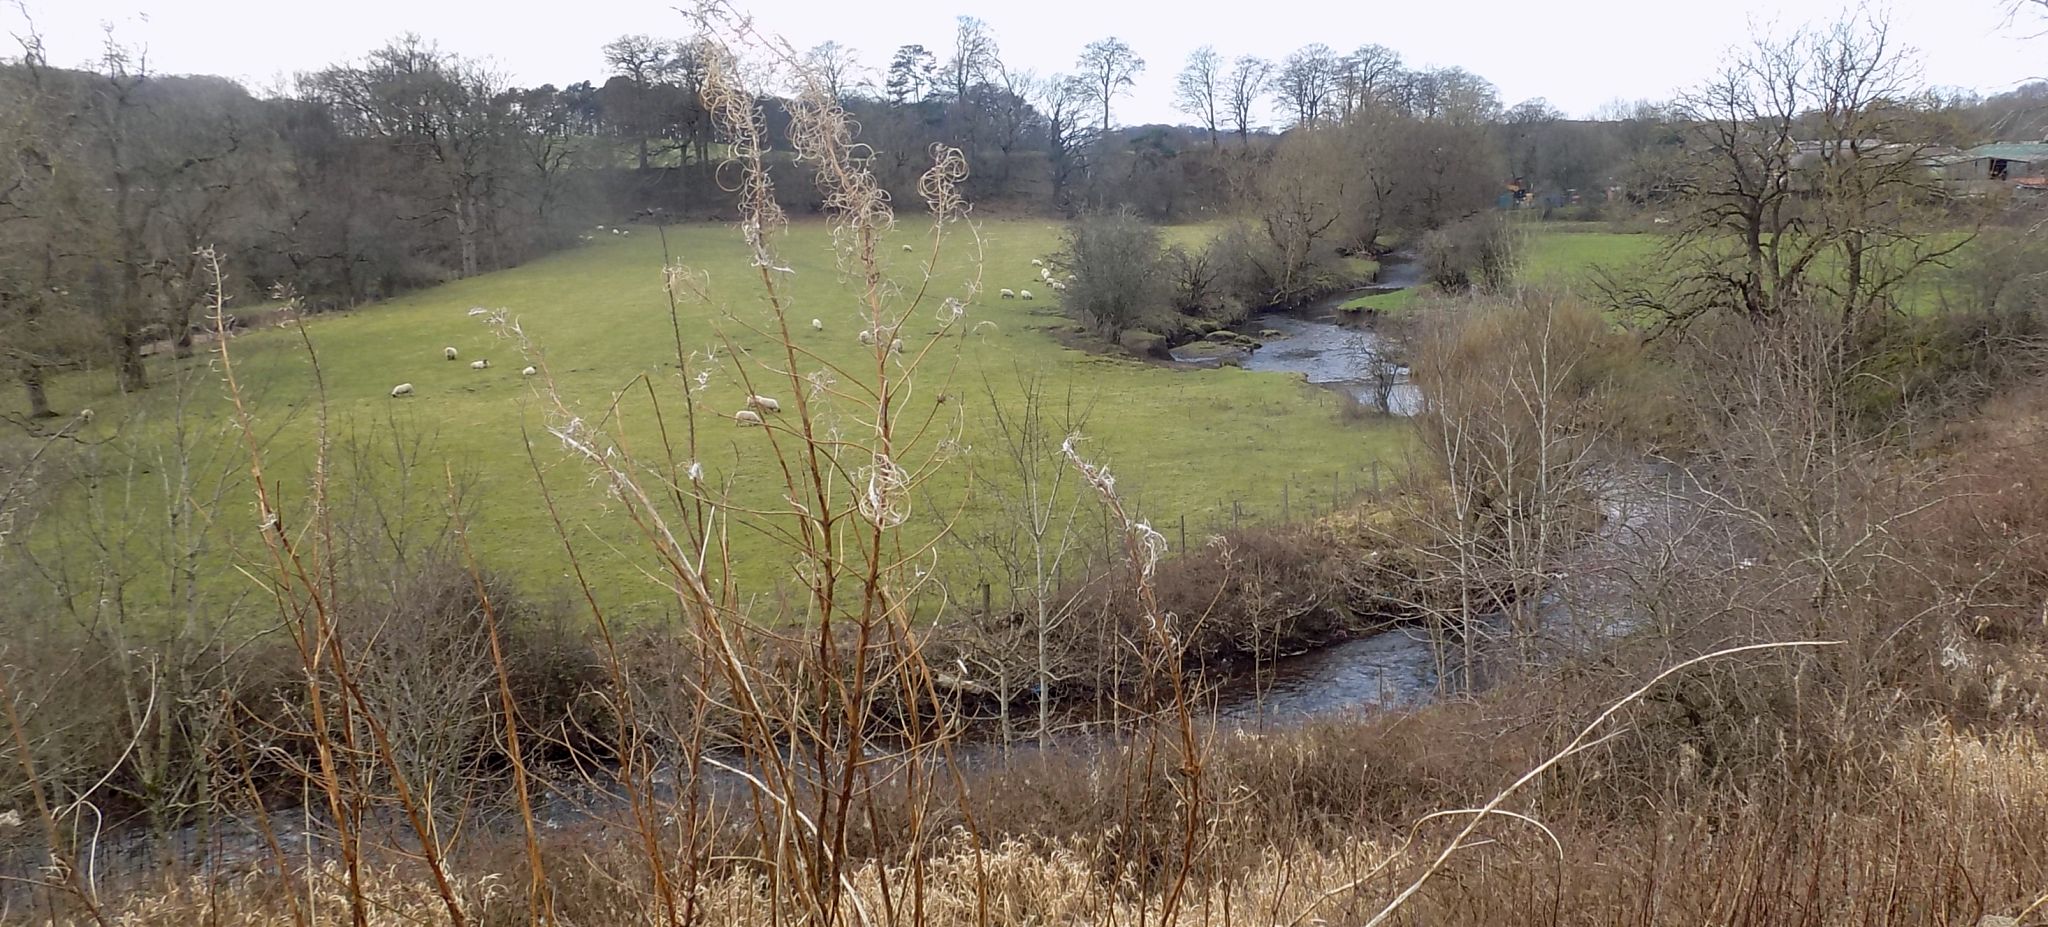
(1577, 54)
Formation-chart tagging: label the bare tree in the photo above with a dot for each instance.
(1198, 91)
(1061, 99)
(1042, 505)
(1803, 175)
(1243, 89)
(1516, 398)
(1299, 201)
(1108, 68)
(1367, 76)
(1306, 81)
(975, 57)
(445, 113)
(646, 62)
(836, 66)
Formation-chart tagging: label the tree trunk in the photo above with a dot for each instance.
(465, 234)
(128, 371)
(38, 398)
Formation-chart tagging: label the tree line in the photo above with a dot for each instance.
(413, 166)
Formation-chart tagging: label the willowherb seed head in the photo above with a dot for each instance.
(1099, 477)
(881, 501)
(821, 383)
(1152, 542)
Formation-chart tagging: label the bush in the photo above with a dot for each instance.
(1477, 252)
(1119, 270)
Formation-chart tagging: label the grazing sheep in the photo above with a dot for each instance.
(1070, 278)
(817, 325)
(402, 389)
(600, 228)
(529, 371)
(625, 231)
(1057, 286)
(1008, 293)
(896, 347)
(479, 364)
(1037, 263)
(908, 248)
(867, 338)
(1024, 294)
(764, 403)
(85, 416)
(746, 417)
(448, 353)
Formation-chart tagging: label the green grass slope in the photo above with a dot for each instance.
(1184, 443)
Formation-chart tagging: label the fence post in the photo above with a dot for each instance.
(1235, 514)
(1183, 532)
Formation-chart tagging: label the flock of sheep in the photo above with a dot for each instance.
(1044, 276)
(449, 353)
(756, 404)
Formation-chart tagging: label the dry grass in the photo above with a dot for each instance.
(1958, 835)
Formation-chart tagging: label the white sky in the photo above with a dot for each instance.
(1578, 54)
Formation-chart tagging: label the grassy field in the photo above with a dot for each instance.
(1569, 253)
(1184, 443)
(1384, 302)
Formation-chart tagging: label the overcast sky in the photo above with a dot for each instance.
(1578, 54)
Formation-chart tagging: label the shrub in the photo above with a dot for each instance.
(1119, 271)
(1476, 252)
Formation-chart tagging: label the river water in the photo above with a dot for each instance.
(1331, 348)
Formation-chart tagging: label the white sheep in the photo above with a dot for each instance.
(1037, 263)
(529, 371)
(85, 416)
(764, 403)
(908, 248)
(479, 364)
(867, 337)
(896, 347)
(448, 353)
(625, 231)
(1058, 286)
(402, 389)
(600, 228)
(746, 417)
(1024, 294)
(1008, 293)
(1045, 275)
(817, 325)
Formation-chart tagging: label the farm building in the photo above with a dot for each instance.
(1999, 162)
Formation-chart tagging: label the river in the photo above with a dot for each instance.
(1331, 348)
